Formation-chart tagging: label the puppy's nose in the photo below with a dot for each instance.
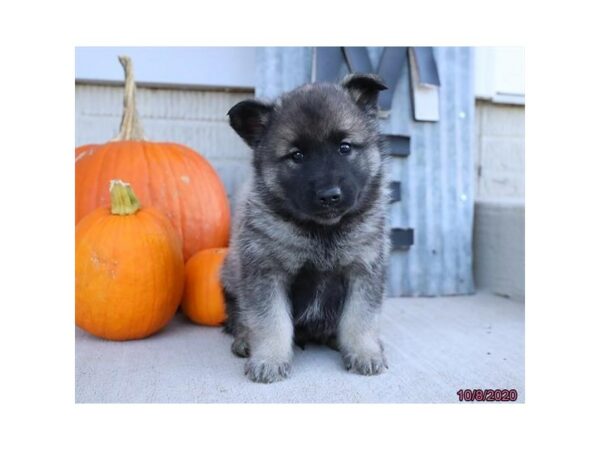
(329, 196)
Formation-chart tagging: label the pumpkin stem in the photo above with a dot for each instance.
(131, 127)
(123, 201)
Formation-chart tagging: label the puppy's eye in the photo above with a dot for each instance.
(297, 157)
(345, 148)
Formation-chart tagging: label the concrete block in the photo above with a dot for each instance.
(503, 153)
(499, 247)
(494, 184)
(500, 155)
(502, 167)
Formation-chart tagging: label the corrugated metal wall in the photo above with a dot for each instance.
(437, 178)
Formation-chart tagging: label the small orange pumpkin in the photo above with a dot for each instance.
(129, 269)
(168, 176)
(203, 300)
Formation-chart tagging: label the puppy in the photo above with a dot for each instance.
(310, 240)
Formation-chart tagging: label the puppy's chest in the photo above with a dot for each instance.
(327, 255)
(316, 295)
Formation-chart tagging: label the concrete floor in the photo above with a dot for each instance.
(435, 346)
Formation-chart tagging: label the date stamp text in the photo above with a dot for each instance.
(487, 395)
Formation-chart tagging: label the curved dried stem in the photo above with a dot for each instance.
(131, 127)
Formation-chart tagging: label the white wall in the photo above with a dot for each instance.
(500, 74)
(211, 66)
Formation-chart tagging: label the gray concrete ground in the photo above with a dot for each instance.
(435, 346)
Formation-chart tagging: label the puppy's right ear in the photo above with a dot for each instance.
(249, 119)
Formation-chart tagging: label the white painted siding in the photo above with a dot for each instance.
(194, 118)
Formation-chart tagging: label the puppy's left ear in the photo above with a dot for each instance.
(249, 119)
(364, 90)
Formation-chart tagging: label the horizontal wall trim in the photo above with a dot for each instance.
(504, 99)
(173, 86)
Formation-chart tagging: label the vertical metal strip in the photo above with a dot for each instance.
(327, 62)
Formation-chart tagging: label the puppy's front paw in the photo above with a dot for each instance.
(263, 371)
(366, 363)
(240, 347)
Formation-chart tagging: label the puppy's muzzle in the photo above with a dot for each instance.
(330, 196)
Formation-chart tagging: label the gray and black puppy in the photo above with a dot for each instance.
(309, 244)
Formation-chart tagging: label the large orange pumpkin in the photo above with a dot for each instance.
(203, 300)
(129, 269)
(170, 177)
(85, 150)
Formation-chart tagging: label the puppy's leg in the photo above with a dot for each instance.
(270, 332)
(234, 326)
(358, 329)
(240, 346)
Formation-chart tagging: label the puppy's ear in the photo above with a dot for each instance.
(249, 119)
(364, 90)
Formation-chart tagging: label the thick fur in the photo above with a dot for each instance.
(302, 267)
